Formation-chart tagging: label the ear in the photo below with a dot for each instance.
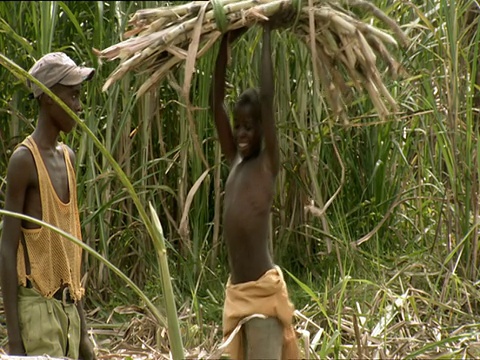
(45, 99)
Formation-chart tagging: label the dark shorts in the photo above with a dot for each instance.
(48, 326)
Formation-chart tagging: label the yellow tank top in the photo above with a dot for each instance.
(54, 260)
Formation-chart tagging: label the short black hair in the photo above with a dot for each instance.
(250, 97)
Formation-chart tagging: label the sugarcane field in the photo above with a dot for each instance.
(242, 179)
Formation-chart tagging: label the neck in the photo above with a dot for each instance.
(252, 155)
(45, 133)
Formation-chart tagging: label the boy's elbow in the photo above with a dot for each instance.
(8, 255)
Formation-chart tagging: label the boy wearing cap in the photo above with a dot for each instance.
(40, 270)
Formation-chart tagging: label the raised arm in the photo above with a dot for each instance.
(220, 116)
(266, 99)
(17, 184)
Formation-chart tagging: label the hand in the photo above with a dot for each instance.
(86, 348)
(274, 22)
(229, 37)
(283, 18)
(235, 34)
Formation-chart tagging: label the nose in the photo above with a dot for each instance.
(241, 133)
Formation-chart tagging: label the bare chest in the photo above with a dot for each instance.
(55, 181)
(249, 188)
(56, 178)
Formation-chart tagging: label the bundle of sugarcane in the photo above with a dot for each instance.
(344, 48)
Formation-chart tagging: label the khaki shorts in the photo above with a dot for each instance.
(48, 327)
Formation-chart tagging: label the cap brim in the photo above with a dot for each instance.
(77, 76)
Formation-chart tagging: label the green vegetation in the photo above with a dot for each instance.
(400, 277)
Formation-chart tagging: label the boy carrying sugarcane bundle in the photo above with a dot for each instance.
(344, 52)
(256, 284)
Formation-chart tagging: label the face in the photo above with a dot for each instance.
(247, 131)
(70, 95)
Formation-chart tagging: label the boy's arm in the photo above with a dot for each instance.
(266, 99)
(220, 116)
(86, 348)
(18, 177)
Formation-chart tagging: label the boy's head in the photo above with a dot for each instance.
(57, 68)
(247, 120)
(64, 78)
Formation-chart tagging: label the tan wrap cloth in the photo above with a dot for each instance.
(267, 296)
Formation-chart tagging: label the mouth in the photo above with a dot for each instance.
(242, 146)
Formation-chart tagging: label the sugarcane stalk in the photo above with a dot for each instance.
(375, 97)
(169, 11)
(165, 37)
(330, 45)
(188, 25)
(157, 75)
(383, 90)
(386, 38)
(177, 52)
(173, 327)
(379, 14)
(155, 26)
(370, 56)
(382, 50)
(348, 51)
(342, 26)
(333, 93)
(270, 8)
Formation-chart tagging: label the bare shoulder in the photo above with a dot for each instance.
(71, 153)
(21, 171)
(21, 161)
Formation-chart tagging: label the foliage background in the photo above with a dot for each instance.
(408, 186)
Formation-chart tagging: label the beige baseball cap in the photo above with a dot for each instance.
(57, 68)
